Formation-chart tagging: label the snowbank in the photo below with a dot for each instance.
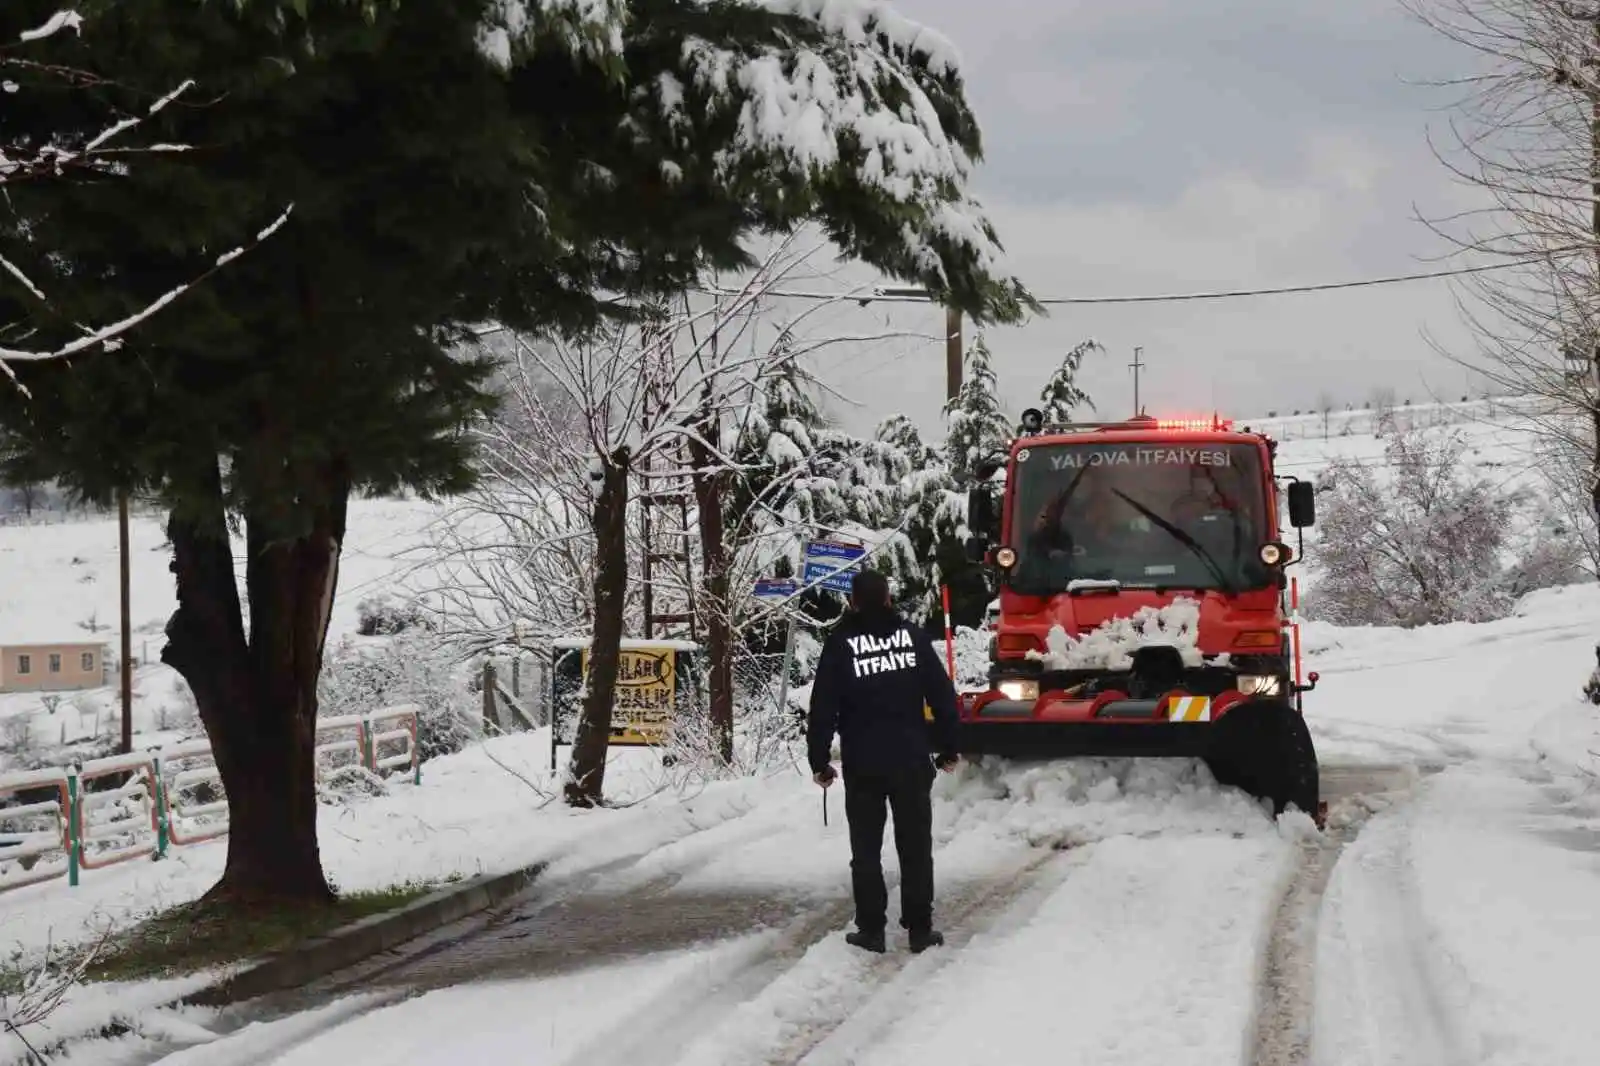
(86, 1008)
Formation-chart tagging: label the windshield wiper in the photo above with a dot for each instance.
(1084, 586)
(1186, 540)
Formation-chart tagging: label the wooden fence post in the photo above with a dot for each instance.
(491, 698)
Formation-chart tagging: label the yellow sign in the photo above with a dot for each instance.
(642, 705)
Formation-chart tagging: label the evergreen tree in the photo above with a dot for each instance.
(978, 429)
(775, 443)
(1061, 394)
(449, 162)
(978, 425)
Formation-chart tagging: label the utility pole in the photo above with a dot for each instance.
(1137, 366)
(127, 628)
(952, 353)
(953, 349)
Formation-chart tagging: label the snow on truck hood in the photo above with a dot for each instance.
(1101, 632)
(1111, 644)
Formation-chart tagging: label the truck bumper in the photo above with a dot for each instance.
(1031, 738)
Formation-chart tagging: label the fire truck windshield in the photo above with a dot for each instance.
(1148, 515)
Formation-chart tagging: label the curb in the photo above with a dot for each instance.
(312, 959)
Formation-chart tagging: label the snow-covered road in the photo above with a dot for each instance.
(1097, 912)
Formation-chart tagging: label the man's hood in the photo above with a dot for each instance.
(879, 622)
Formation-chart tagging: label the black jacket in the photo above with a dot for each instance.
(874, 677)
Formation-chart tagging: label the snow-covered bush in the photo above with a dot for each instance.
(17, 738)
(1565, 465)
(182, 715)
(383, 615)
(1433, 543)
(411, 667)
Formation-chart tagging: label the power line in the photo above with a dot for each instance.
(901, 296)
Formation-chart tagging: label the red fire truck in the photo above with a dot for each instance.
(1143, 601)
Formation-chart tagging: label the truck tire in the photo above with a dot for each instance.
(1264, 748)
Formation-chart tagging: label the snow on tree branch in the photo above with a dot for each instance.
(53, 160)
(61, 20)
(590, 28)
(875, 88)
(843, 91)
(109, 335)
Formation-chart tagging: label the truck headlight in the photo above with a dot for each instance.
(1024, 691)
(1258, 684)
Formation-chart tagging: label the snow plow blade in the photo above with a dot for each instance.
(1260, 746)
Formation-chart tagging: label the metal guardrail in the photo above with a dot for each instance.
(171, 796)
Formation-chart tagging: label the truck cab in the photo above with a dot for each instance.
(1140, 568)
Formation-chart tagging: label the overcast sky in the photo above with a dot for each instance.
(1152, 146)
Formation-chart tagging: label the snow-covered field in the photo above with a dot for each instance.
(65, 590)
(1104, 912)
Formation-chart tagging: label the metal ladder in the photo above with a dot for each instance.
(665, 497)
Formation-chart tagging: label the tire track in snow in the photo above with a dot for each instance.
(1126, 950)
(1013, 904)
(1287, 986)
(754, 1018)
(1388, 1009)
(686, 1011)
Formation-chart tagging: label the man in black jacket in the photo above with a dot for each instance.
(874, 678)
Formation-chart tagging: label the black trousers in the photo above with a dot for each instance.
(868, 797)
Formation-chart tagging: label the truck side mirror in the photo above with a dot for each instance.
(1302, 504)
(980, 512)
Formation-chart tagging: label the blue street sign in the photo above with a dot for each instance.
(776, 588)
(829, 564)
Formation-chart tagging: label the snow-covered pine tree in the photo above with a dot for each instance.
(978, 428)
(1061, 394)
(775, 442)
(920, 487)
(978, 425)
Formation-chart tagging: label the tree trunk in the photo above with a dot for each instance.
(708, 498)
(1594, 229)
(258, 696)
(586, 778)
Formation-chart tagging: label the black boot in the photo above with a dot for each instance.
(923, 939)
(866, 941)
